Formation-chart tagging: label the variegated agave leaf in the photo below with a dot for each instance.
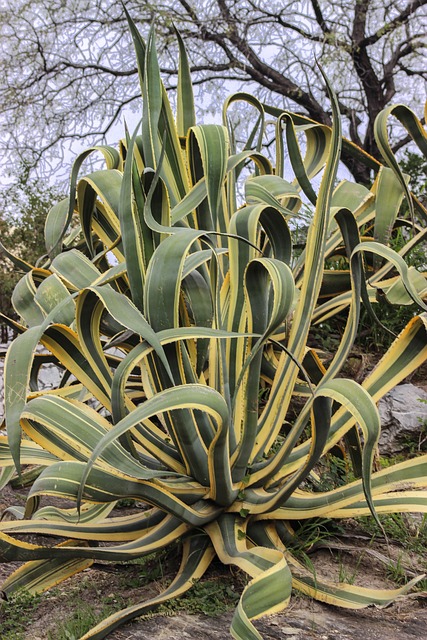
(180, 320)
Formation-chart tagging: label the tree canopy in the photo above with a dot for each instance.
(24, 204)
(59, 58)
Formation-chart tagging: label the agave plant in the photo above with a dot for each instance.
(180, 319)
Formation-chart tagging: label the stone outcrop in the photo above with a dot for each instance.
(403, 414)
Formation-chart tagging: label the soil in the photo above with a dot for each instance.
(303, 620)
(120, 585)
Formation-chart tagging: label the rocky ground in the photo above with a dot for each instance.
(303, 620)
(352, 555)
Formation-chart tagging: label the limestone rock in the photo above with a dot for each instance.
(403, 414)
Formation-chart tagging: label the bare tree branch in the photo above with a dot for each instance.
(319, 17)
(398, 21)
(68, 68)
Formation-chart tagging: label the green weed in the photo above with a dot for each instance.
(16, 615)
(84, 617)
(395, 571)
(209, 597)
(151, 568)
(397, 530)
(309, 533)
(333, 471)
(345, 574)
(385, 463)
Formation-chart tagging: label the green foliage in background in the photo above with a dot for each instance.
(24, 204)
(377, 337)
(415, 165)
(181, 320)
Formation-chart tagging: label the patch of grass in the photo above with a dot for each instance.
(422, 585)
(16, 615)
(84, 617)
(208, 597)
(396, 528)
(410, 536)
(346, 575)
(151, 568)
(396, 572)
(310, 532)
(86, 606)
(333, 471)
(349, 575)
